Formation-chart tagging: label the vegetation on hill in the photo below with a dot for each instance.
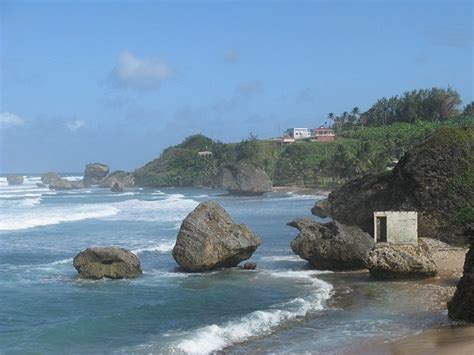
(365, 144)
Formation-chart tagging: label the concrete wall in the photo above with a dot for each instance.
(402, 227)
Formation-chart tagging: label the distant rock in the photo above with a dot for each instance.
(209, 239)
(331, 246)
(50, 178)
(63, 184)
(118, 188)
(113, 263)
(124, 179)
(434, 179)
(40, 184)
(15, 179)
(404, 261)
(250, 265)
(461, 307)
(243, 179)
(94, 173)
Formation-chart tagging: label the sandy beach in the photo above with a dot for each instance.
(301, 190)
(448, 338)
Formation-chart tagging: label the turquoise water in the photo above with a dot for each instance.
(280, 307)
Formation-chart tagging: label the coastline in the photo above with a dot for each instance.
(303, 190)
(448, 337)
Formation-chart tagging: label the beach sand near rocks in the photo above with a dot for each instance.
(301, 190)
(450, 338)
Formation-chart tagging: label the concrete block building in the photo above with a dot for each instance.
(396, 227)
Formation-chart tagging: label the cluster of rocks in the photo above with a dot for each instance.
(15, 179)
(94, 174)
(243, 179)
(208, 239)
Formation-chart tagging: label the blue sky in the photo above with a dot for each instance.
(117, 81)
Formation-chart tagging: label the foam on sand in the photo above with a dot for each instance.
(217, 337)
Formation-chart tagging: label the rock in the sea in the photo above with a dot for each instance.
(209, 239)
(434, 179)
(250, 265)
(461, 307)
(50, 178)
(63, 184)
(331, 246)
(113, 263)
(94, 173)
(120, 177)
(15, 179)
(403, 261)
(244, 179)
(118, 188)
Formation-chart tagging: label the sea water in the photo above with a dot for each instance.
(282, 306)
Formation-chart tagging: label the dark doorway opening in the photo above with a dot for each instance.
(381, 229)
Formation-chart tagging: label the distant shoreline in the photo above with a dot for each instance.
(301, 190)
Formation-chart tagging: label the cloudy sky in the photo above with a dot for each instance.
(117, 81)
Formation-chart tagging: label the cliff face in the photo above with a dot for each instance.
(436, 178)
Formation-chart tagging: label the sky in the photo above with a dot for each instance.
(118, 81)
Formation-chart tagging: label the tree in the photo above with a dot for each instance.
(469, 109)
(332, 118)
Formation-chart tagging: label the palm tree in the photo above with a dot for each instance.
(331, 117)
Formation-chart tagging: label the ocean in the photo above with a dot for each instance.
(282, 306)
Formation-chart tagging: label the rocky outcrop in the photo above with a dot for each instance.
(113, 263)
(122, 178)
(118, 188)
(434, 179)
(404, 261)
(461, 307)
(243, 179)
(15, 179)
(50, 178)
(94, 173)
(250, 265)
(63, 184)
(331, 246)
(209, 239)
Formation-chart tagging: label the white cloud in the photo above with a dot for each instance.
(139, 73)
(75, 125)
(8, 119)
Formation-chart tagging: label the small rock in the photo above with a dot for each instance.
(15, 179)
(50, 178)
(250, 265)
(113, 263)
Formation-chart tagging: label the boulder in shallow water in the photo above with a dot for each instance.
(331, 246)
(244, 179)
(461, 307)
(94, 173)
(209, 239)
(50, 178)
(63, 184)
(121, 177)
(15, 179)
(112, 263)
(250, 265)
(118, 188)
(404, 261)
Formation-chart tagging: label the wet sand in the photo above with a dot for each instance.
(301, 190)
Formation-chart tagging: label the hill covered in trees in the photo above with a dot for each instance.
(367, 143)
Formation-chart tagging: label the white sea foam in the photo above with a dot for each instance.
(44, 217)
(161, 247)
(282, 258)
(30, 202)
(217, 337)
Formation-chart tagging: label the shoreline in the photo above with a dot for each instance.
(303, 190)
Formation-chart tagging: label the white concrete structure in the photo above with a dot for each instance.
(396, 227)
(297, 133)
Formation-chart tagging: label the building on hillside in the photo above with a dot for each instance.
(396, 227)
(323, 134)
(297, 133)
(283, 140)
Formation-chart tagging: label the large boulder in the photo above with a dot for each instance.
(94, 173)
(331, 246)
(404, 261)
(461, 307)
(63, 184)
(118, 188)
(112, 263)
(122, 178)
(50, 177)
(209, 239)
(15, 179)
(434, 179)
(243, 179)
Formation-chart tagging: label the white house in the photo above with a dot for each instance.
(297, 133)
(396, 227)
